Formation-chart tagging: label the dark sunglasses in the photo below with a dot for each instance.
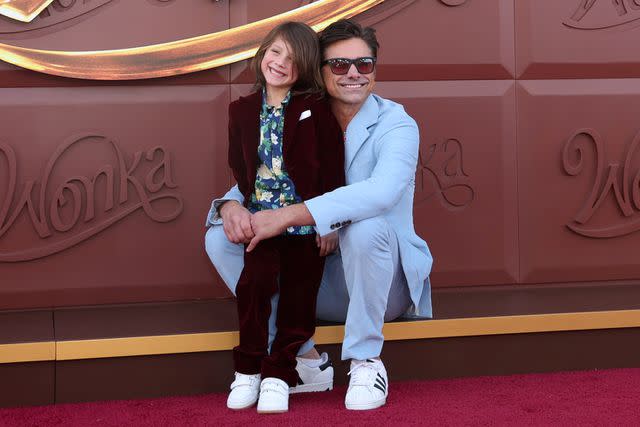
(340, 66)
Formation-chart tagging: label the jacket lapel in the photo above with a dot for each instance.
(358, 129)
(291, 116)
(251, 138)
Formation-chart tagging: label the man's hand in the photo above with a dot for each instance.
(327, 243)
(236, 221)
(266, 224)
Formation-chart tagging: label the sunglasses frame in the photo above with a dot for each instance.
(351, 62)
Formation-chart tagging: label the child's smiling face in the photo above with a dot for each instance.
(278, 67)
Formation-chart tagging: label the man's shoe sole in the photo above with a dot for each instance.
(367, 406)
(310, 388)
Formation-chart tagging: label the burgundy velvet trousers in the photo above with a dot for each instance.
(292, 266)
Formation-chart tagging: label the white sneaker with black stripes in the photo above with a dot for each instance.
(368, 386)
(318, 377)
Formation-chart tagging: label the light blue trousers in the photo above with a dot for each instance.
(362, 286)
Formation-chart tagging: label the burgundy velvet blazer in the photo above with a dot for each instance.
(313, 144)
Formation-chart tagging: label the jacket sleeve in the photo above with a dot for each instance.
(330, 149)
(396, 157)
(235, 157)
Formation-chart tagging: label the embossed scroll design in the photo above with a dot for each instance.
(454, 2)
(77, 194)
(441, 174)
(621, 183)
(602, 14)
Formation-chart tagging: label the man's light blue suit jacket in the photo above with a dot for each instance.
(381, 156)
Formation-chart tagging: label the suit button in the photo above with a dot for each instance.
(333, 226)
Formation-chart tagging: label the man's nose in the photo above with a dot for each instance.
(353, 71)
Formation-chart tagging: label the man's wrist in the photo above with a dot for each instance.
(296, 215)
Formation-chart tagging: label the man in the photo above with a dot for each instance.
(382, 268)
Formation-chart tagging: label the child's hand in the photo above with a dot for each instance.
(327, 243)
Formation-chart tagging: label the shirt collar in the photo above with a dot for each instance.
(266, 107)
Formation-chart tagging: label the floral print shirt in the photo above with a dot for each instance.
(273, 188)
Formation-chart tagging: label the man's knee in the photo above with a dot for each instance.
(226, 257)
(365, 236)
(215, 242)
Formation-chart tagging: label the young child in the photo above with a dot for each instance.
(285, 146)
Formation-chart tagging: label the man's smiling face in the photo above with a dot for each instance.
(353, 88)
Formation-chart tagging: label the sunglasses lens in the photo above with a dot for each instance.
(365, 65)
(339, 67)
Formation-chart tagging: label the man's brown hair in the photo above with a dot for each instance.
(346, 29)
(303, 44)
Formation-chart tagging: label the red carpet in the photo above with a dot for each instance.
(593, 398)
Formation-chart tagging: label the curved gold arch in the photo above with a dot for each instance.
(178, 57)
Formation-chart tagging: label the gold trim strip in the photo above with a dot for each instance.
(221, 341)
(424, 329)
(146, 346)
(23, 10)
(521, 324)
(28, 352)
(182, 56)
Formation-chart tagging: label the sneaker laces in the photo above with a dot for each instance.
(363, 373)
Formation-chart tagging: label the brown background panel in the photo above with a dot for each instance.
(132, 320)
(238, 90)
(550, 199)
(11, 77)
(115, 24)
(143, 377)
(511, 354)
(507, 300)
(467, 214)
(26, 326)
(554, 40)
(137, 258)
(420, 39)
(27, 384)
(429, 40)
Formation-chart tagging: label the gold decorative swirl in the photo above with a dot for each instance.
(182, 56)
(23, 10)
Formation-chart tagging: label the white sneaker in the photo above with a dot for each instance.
(244, 391)
(314, 379)
(368, 386)
(274, 396)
